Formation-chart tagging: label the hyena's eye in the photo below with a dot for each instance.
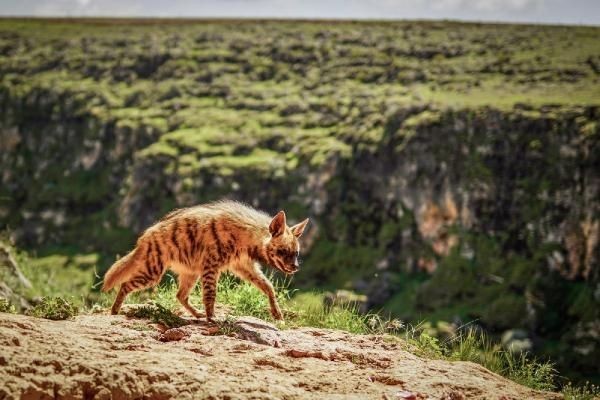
(287, 255)
(292, 255)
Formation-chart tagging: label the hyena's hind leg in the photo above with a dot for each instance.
(186, 284)
(123, 292)
(147, 277)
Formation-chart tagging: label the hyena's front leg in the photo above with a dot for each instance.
(258, 279)
(210, 277)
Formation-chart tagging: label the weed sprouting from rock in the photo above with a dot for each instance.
(228, 327)
(158, 314)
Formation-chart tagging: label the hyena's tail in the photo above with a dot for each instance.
(119, 272)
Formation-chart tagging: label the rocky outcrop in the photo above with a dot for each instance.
(111, 357)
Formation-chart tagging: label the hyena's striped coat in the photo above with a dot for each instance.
(204, 241)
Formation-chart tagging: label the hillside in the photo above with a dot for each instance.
(449, 169)
(104, 357)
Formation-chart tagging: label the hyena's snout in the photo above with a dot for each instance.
(289, 269)
(294, 267)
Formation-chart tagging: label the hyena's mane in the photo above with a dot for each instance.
(236, 213)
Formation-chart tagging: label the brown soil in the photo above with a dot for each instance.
(112, 357)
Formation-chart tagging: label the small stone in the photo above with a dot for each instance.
(173, 334)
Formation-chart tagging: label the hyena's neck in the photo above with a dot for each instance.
(258, 253)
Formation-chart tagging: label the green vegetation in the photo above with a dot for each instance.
(55, 308)
(477, 348)
(518, 367)
(6, 306)
(158, 314)
(585, 392)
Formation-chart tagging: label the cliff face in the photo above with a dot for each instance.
(61, 167)
(432, 188)
(527, 174)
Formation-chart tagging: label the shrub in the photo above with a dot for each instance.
(55, 308)
(6, 306)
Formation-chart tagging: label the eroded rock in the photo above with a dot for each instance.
(105, 357)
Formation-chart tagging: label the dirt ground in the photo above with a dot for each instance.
(111, 357)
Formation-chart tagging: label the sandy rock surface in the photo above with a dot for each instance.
(112, 357)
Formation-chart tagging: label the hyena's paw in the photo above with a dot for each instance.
(197, 314)
(210, 317)
(276, 313)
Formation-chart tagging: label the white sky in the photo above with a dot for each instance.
(540, 11)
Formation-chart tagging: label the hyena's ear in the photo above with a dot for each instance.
(298, 229)
(277, 226)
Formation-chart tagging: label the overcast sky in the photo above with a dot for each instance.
(541, 11)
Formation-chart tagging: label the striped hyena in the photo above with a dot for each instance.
(203, 241)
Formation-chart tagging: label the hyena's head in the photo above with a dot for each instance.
(283, 249)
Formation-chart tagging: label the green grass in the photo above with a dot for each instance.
(476, 347)
(586, 391)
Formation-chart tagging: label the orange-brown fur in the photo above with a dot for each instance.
(204, 241)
